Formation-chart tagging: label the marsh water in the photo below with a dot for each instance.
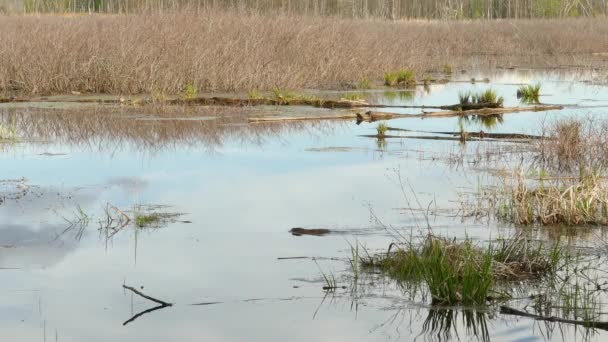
(232, 191)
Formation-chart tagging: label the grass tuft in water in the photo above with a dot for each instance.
(286, 96)
(489, 96)
(529, 93)
(406, 77)
(146, 220)
(459, 272)
(390, 79)
(382, 128)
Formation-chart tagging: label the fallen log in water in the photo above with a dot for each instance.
(487, 111)
(434, 137)
(470, 106)
(225, 101)
(505, 310)
(360, 117)
(480, 134)
(372, 116)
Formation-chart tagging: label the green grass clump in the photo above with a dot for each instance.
(459, 272)
(488, 96)
(406, 77)
(464, 97)
(447, 68)
(283, 94)
(286, 96)
(529, 93)
(365, 84)
(390, 79)
(353, 96)
(145, 220)
(189, 92)
(382, 128)
(254, 94)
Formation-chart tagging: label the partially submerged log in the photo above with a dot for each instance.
(360, 117)
(478, 112)
(480, 134)
(342, 103)
(489, 111)
(371, 116)
(435, 137)
(471, 106)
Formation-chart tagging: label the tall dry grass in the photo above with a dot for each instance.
(574, 147)
(222, 51)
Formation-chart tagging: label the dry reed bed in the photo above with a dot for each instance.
(574, 146)
(554, 202)
(128, 54)
(563, 183)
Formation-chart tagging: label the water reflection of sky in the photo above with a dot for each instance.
(241, 201)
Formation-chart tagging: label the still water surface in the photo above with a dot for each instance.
(239, 197)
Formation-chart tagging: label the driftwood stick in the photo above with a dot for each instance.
(126, 217)
(134, 290)
(505, 310)
(206, 303)
(158, 307)
(292, 258)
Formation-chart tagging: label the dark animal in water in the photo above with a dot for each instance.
(303, 231)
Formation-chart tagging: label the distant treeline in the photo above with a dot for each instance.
(390, 9)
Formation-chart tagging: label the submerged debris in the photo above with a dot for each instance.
(13, 189)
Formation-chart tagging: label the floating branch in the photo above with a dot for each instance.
(505, 310)
(141, 294)
(162, 304)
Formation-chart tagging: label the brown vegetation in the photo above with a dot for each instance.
(215, 51)
(575, 146)
(391, 9)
